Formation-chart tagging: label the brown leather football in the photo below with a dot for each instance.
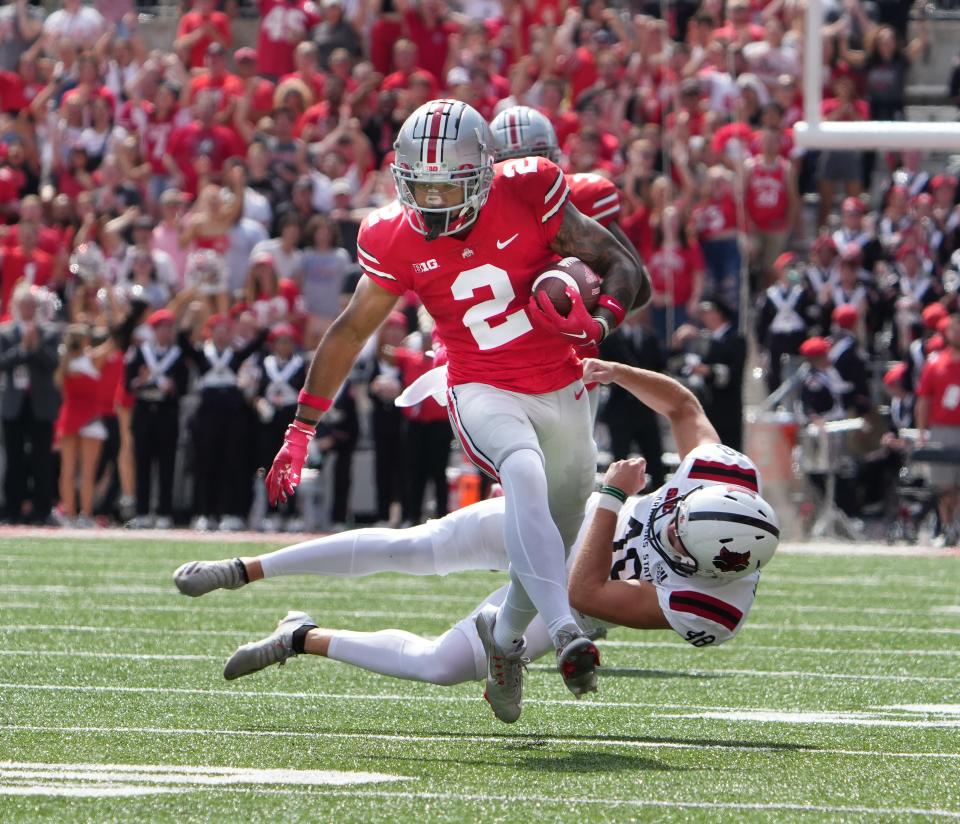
(554, 279)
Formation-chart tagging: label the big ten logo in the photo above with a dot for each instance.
(426, 266)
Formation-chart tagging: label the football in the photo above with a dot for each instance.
(571, 271)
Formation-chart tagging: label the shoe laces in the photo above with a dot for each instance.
(511, 666)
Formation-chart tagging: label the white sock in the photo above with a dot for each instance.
(538, 576)
(448, 660)
(357, 553)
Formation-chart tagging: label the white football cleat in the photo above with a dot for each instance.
(577, 660)
(196, 578)
(504, 689)
(274, 649)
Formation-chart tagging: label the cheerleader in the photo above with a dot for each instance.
(79, 430)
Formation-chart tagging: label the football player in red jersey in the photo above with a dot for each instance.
(469, 239)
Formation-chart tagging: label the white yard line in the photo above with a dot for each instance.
(126, 656)
(844, 719)
(285, 539)
(644, 802)
(239, 634)
(495, 740)
(119, 780)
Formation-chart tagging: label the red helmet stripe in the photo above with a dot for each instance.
(514, 130)
(433, 134)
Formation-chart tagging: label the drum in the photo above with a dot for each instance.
(826, 449)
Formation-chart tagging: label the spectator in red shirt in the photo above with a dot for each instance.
(837, 168)
(283, 24)
(204, 139)
(216, 80)
(738, 30)
(772, 203)
(429, 24)
(23, 262)
(427, 437)
(198, 29)
(717, 225)
(406, 65)
(938, 420)
(306, 60)
(676, 274)
(552, 106)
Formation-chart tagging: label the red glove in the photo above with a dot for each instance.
(284, 475)
(579, 327)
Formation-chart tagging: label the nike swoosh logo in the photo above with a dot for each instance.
(578, 395)
(503, 244)
(579, 336)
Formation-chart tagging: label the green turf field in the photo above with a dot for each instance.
(840, 701)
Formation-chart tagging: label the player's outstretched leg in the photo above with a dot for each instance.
(285, 642)
(471, 538)
(450, 659)
(505, 668)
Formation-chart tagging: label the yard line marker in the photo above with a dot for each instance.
(131, 656)
(670, 645)
(851, 719)
(933, 709)
(497, 740)
(106, 780)
(640, 802)
(857, 628)
(88, 791)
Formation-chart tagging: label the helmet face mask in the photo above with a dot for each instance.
(521, 131)
(725, 532)
(443, 167)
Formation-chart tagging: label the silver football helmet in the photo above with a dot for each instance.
(726, 532)
(443, 167)
(523, 132)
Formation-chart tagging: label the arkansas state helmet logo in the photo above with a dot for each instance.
(728, 561)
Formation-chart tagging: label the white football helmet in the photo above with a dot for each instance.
(727, 532)
(444, 144)
(523, 132)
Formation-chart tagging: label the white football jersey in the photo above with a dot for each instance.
(703, 611)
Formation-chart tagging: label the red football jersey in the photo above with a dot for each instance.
(283, 24)
(595, 196)
(940, 382)
(767, 200)
(716, 217)
(477, 289)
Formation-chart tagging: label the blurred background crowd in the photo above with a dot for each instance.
(181, 191)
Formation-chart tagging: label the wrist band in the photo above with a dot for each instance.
(314, 401)
(615, 492)
(305, 421)
(604, 328)
(609, 503)
(308, 429)
(613, 307)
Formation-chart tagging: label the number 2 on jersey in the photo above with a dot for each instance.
(477, 318)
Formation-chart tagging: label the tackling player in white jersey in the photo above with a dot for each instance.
(686, 557)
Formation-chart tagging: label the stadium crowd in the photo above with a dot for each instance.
(180, 228)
